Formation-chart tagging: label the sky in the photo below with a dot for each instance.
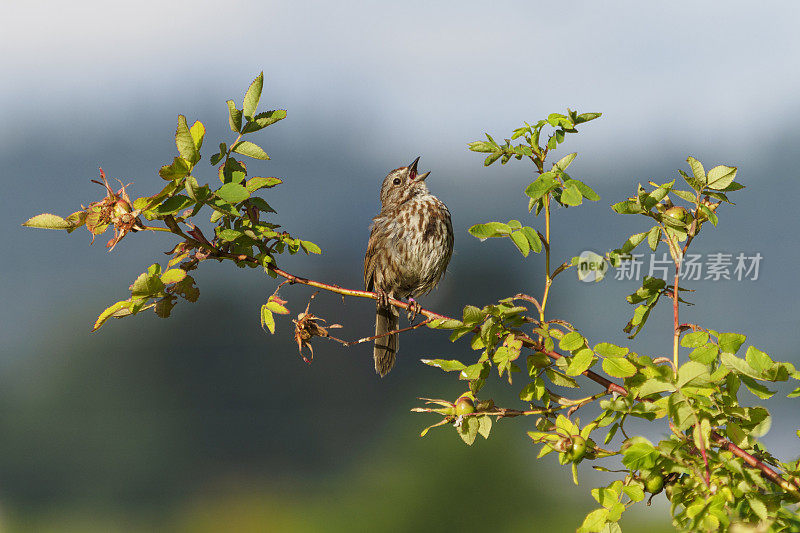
(368, 87)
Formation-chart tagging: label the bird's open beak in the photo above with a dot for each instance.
(412, 169)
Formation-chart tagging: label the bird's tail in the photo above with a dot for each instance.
(386, 320)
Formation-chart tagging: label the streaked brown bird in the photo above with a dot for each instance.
(410, 245)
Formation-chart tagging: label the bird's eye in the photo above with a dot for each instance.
(396, 181)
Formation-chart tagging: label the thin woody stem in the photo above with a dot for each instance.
(367, 339)
(609, 385)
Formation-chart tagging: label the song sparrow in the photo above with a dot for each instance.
(410, 244)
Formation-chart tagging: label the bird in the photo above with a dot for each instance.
(409, 248)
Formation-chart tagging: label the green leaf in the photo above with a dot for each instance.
(758, 360)
(146, 284)
(173, 275)
(697, 170)
(594, 521)
(184, 141)
(267, 319)
(118, 310)
(694, 339)
(178, 169)
(252, 96)
(250, 150)
(720, 177)
(468, 429)
(262, 120)
(198, 132)
(634, 492)
(448, 365)
(564, 162)
(640, 455)
(522, 243)
(253, 184)
(229, 235)
(739, 365)
(571, 195)
(561, 379)
(606, 349)
(628, 207)
(484, 426)
(541, 186)
(174, 204)
(580, 362)
(585, 190)
(310, 248)
(632, 242)
(483, 146)
(705, 354)
(533, 238)
(232, 193)
(653, 237)
(571, 341)
(757, 388)
(690, 371)
(655, 386)
(234, 117)
(47, 221)
(618, 367)
(489, 230)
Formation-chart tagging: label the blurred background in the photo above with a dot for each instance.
(206, 423)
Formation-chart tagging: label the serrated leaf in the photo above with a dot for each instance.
(541, 186)
(252, 96)
(585, 190)
(267, 319)
(653, 237)
(173, 275)
(691, 371)
(234, 117)
(758, 360)
(580, 362)
(184, 141)
(564, 162)
(174, 204)
(448, 365)
(594, 521)
(628, 207)
(606, 349)
(232, 193)
(468, 429)
(198, 132)
(484, 426)
(250, 150)
(117, 309)
(618, 367)
(47, 221)
(310, 248)
(521, 242)
(697, 170)
(253, 184)
(178, 169)
(571, 196)
(533, 238)
(720, 177)
(694, 339)
(571, 341)
(489, 230)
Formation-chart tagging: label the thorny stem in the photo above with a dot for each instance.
(609, 385)
(548, 279)
(675, 317)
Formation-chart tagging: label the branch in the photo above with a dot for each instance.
(609, 385)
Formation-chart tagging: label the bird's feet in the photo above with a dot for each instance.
(413, 309)
(383, 298)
